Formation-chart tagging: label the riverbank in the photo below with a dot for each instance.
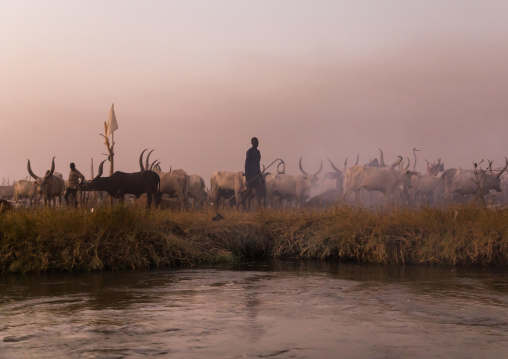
(129, 237)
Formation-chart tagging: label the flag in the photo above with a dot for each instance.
(112, 125)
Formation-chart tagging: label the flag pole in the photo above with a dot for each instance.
(109, 128)
(112, 168)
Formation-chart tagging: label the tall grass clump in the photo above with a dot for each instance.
(131, 237)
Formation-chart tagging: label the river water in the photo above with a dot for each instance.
(278, 309)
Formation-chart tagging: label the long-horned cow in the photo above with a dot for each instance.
(291, 187)
(384, 179)
(471, 182)
(173, 183)
(51, 186)
(336, 178)
(122, 183)
(25, 189)
(224, 184)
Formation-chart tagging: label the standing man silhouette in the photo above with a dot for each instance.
(254, 179)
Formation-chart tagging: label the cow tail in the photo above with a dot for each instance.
(159, 194)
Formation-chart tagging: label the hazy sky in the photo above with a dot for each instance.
(195, 80)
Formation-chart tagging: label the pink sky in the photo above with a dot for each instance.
(195, 80)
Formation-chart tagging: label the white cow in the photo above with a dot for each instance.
(291, 187)
(25, 189)
(226, 185)
(51, 186)
(386, 180)
(174, 183)
(471, 182)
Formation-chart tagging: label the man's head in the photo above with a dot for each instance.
(73, 166)
(254, 141)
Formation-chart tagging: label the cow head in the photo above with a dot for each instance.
(97, 183)
(312, 178)
(338, 175)
(43, 183)
(495, 180)
(406, 177)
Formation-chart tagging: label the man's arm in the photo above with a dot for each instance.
(80, 175)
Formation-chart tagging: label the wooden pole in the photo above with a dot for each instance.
(112, 168)
(94, 195)
(111, 155)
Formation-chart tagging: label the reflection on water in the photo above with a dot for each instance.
(279, 309)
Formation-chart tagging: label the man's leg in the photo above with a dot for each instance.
(262, 192)
(75, 196)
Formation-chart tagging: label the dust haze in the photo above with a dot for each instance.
(444, 95)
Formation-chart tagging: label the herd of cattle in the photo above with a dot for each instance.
(374, 184)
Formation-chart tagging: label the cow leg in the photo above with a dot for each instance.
(181, 197)
(358, 196)
(148, 199)
(157, 198)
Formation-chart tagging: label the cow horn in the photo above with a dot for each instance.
(30, 171)
(345, 165)
(382, 159)
(152, 165)
(504, 169)
(414, 154)
(301, 169)
(264, 168)
(100, 169)
(357, 159)
(333, 166)
(396, 163)
(320, 168)
(147, 159)
(141, 168)
(408, 162)
(283, 168)
(50, 173)
(155, 166)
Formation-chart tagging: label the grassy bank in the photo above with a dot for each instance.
(131, 237)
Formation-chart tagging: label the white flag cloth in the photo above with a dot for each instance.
(112, 125)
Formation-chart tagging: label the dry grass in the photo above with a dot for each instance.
(129, 237)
